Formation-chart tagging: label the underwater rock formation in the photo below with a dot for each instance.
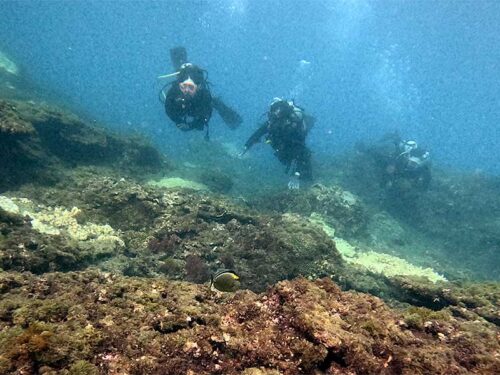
(85, 208)
(11, 123)
(177, 182)
(457, 216)
(43, 141)
(216, 180)
(40, 239)
(160, 228)
(91, 322)
(339, 208)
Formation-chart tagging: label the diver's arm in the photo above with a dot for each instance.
(204, 111)
(171, 107)
(257, 135)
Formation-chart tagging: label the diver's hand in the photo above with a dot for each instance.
(242, 153)
(183, 126)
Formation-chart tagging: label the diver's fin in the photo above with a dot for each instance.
(230, 117)
(391, 136)
(178, 56)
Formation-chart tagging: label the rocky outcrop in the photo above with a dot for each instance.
(162, 228)
(341, 209)
(91, 322)
(42, 142)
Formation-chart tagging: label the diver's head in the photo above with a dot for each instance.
(409, 146)
(280, 109)
(194, 72)
(188, 87)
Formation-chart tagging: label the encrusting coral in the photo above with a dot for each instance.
(49, 238)
(177, 182)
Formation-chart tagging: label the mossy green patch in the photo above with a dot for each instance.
(83, 368)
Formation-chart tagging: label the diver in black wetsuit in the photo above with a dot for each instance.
(188, 101)
(408, 167)
(286, 130)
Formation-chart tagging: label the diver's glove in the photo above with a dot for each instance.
(183, 126)
(294, 183)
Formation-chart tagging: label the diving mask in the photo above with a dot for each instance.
(409, 146)
(188, 87)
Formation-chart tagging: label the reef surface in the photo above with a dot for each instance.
(123, 325)
(106, 252)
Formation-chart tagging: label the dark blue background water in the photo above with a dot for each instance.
(428, 68)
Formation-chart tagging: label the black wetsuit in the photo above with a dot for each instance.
(401, 162)
(287, 136)
(189, 113)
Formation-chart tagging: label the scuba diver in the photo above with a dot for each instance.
(286, 129)
(407, 167)
(189, 102)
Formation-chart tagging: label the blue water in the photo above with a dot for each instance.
(427, 68)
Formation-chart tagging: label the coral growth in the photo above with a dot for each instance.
(339, 208)
(11, 121)
(157, 224)
(50, 238)
(42, 142)
(177, 182)
(454, 223)
(87, 321)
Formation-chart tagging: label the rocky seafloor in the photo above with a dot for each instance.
(106, 258)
